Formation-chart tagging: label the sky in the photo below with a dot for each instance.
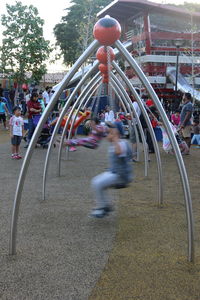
(52, 12)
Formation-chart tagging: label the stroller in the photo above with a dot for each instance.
(45, 135)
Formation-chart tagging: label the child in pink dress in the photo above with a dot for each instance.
(92, 141)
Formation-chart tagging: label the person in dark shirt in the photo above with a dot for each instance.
(12, 95)
(185, 118)
(1, 90)
(34, 109)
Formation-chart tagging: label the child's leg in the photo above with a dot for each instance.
(18, 146)
(13, 146)
(4, 122)
(99, 185)
(85, 142)
(13, 150)
(17, 149)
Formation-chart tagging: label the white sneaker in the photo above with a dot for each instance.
(98, 213)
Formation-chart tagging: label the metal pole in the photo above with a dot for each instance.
(117, 90)
(177, 62)
(179, 159)
(57, 126)
(89, 90)
(151, 131)
(121, 89)
(93, 82)
(27, 158)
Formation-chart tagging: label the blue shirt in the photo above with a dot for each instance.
(187, 107)
(2, 108)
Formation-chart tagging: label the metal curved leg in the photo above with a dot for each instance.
(57, 126)
(87, 90)
(151, 131)
(179, 159)
(25, 165)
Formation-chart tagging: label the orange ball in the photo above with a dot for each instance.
(103, 68)
(102, 56)
(107, 31)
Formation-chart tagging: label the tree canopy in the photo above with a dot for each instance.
(24, 48)
(74, 32)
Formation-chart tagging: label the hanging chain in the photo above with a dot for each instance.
(110, 98)
(98, 99)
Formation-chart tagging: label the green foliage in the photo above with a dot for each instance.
(24, 48)
(193, 7)
(74, 33)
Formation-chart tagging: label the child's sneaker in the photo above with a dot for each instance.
(98, 213)
(101, 212)
(13, 156)
(18, 156)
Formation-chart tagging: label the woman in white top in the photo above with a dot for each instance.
(109, 115)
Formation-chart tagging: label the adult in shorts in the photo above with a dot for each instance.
(185, 118)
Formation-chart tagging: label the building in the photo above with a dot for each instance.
(166, 44)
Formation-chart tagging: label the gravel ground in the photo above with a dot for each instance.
(139, 252)
(60, 250)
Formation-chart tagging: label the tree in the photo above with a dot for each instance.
(24, 48)
(74, 33)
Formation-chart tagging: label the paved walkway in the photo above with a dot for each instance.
(139, 252)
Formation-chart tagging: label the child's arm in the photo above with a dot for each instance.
(11, 127)
(7, 111)
(11, 131)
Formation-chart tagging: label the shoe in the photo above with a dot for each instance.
(108, 209)
(26, 146)
(101, 212)
(18, 156)
(72, 149)
(134, 160)
(13, 156)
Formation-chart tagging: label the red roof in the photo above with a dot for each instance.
(121, 9)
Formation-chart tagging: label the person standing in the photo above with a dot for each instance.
(3, 111)
(196, 131)
(109, 115)
(185, 118)
(132, 130)
(1, 90)
(12, 96)
(46, 96)
(34, 108)
(41, 101)
(16, 131)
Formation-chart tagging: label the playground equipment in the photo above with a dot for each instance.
(104, 30)
(182, 83)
